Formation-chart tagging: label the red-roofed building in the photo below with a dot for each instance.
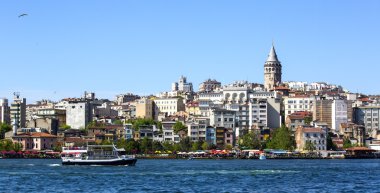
(297, 119)
(35, 141)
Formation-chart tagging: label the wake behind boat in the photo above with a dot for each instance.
(96, 155)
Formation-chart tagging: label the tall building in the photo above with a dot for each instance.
(272, 71)
(18, 112)
(4, 111)
(144, 108)
(78, 114)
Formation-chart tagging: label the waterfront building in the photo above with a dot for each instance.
(211, 135)
(35, 141)
(354, 132)
(272, 71)
(197, 129)
(4, 111)
(168, 132)
(128, 131)
(317, 136)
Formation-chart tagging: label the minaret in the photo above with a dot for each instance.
(272, 71)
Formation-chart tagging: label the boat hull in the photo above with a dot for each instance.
(115, 162)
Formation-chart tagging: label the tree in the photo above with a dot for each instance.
(136, 123)
(307, 120)
(205, 146)
(309, 146)
(329, 143)
(146, 145)
(167, 146)
(281, 139)
(132, 146)
(228, 147)
(185, 144)
(65, 127)
(117, 122)
(250, 141)
(179, 126)
(156, 146)
(3, 129)
(17, 147)
(347, 143)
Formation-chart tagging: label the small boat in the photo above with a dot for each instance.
(262, 156)
(96, 155)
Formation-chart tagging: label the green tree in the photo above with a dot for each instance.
(167, 146)
(228, 147)
(185, 144)
(65, 127)
(136, 123)
(281, 139)
(205, 146)
(250, 141)
(132, 146)
(179, 126)
(118, 122)
(6, 145)
(347, 143)
(3, 129)
(106, 142)
(307, 120)
(157, 146)
(146, 145)
(17, 147)
(329, 143)
(309, 146)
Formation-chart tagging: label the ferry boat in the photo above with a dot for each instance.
(96, 155)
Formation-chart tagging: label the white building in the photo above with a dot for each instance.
(296, 85)
(169, 106)
(182, 85)
(338, 114)
(298, 103)
(78, 115)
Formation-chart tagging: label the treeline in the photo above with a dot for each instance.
(149, 146)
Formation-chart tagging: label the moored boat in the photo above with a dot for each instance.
(96, 155)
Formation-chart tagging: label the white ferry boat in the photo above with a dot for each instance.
(96, 155)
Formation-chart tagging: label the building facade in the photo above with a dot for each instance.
(4, 111)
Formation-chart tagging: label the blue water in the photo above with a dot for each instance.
(33, 175)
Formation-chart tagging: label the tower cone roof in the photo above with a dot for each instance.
(272, 57)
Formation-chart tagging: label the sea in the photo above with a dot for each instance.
(176, 175)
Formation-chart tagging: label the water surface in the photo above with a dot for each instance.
(37, 175)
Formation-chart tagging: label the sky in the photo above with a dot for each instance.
(62, 48)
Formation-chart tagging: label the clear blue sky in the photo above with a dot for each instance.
(62, 48)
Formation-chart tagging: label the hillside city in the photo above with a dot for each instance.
(282, 115)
